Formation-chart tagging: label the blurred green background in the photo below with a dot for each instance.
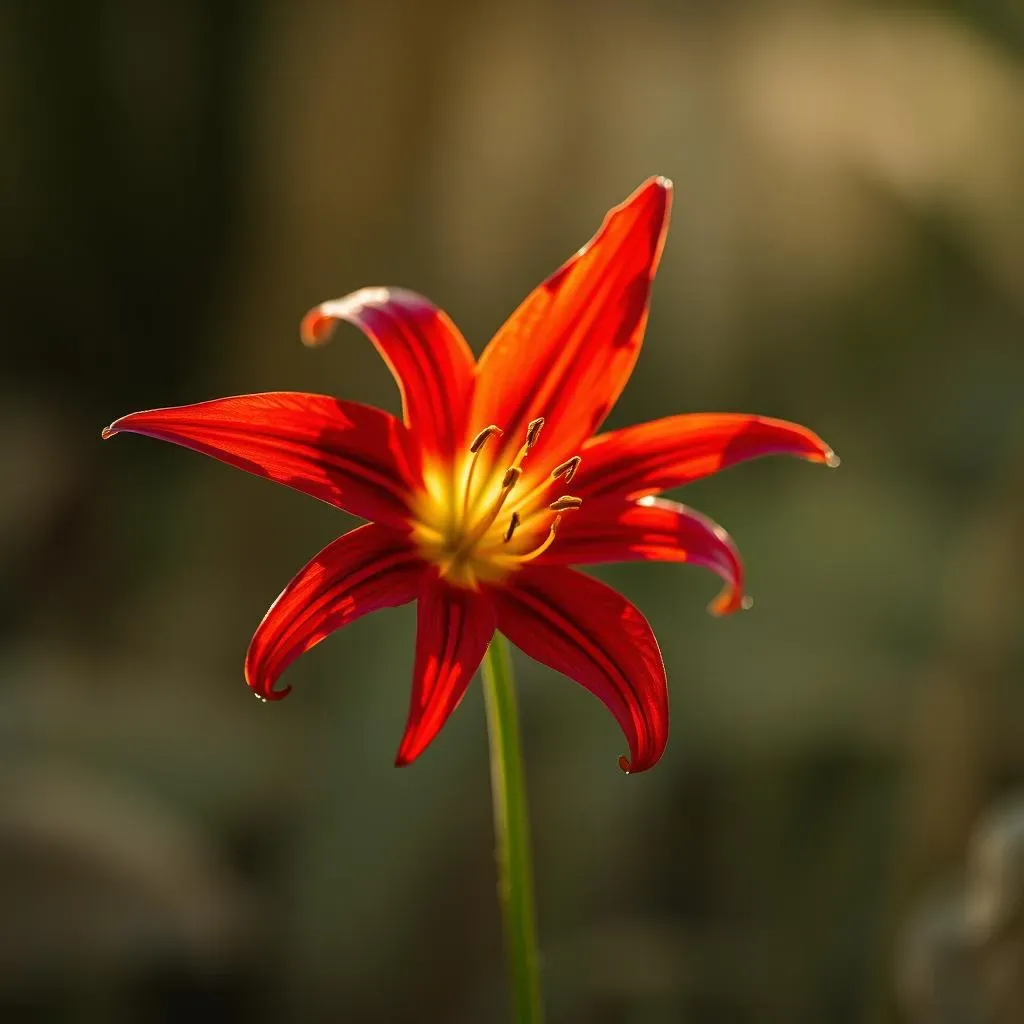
(180, 181)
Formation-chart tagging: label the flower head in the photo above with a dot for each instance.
(494, 482)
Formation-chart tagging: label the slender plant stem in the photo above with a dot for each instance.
(512, 832)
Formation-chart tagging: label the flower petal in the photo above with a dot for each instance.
(652, 457)
(568, 350)
(653, 529)
(591, 633)
(454, 627)
(429, 358)
(352, 456)
(368, 568)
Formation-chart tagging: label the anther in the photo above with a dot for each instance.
(512, 474)
(567, 469)
(533, 431)
(567, 501)
(512, 525)
(482, 438)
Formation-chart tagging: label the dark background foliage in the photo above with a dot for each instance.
(834, 833)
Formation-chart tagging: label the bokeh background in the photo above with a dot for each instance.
(835, 834)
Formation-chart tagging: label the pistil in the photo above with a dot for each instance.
(529, 556)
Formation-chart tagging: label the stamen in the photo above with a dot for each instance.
(566, 501)
(533, 431)
(567, 469)
(484, 436)
(478, 442)
(512, 525)
(512, 474)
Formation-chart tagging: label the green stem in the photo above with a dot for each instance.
(512, 832)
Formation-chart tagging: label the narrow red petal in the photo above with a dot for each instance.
(653, 529)
(568, 350)
(652, 457)
(369, 568)
(454, 627)
(424, 350)
(592, 634)
(349, 455)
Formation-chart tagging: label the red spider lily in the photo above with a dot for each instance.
(468, 495)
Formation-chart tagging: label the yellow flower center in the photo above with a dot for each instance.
(478, 522)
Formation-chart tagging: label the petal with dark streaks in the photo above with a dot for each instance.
(350, 455)
(652, 457)
(650, 530)
(369, 568)
(454, 627)
(592, 634)
(429, 358)
(566, 353)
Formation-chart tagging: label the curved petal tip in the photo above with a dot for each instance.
(318, 324)
(108, 432)
(832, 460)
(624, 765)
(730, 600)
(267, 696)
(316, 328)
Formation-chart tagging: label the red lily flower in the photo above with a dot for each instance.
(494, 483)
